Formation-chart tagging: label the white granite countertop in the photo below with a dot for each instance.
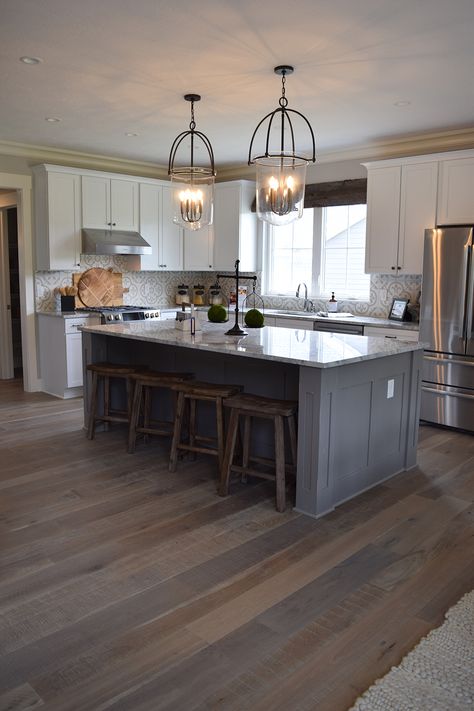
(334, 317)
(67, 314)
(309, 348)
(304, 316)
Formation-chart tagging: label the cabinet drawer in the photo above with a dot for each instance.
(400, 333)
(72, 325)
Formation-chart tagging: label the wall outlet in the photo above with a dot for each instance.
(390, 388)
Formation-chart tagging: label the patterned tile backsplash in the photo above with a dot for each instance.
(158, 288)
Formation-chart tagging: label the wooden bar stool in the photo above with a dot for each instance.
(266, 408)
(106, 371)
(144, 384)
(194, 392)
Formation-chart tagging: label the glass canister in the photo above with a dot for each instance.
(182, 294)
(198, 295)
(215, 295)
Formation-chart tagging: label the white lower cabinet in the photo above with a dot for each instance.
(60, 350)
(400, 334)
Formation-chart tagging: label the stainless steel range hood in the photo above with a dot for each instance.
(113, 242)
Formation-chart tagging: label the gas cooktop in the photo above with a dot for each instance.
(124, 312)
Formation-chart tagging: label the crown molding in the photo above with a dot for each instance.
(405, 146)
(78, 159)
(419, 144)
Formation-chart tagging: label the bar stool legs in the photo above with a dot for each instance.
(253, 406)
(194, 392)
(106, 372)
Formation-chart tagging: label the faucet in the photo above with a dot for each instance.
(308, 304)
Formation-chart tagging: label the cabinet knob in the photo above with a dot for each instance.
(393, 267)
(210, 266)
(109, 223)
(164, 265)
(114, 224)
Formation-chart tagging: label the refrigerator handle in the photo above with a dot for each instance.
(469, 308)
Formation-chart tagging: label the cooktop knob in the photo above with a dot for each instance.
(117, 317)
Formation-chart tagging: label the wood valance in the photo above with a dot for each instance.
(336, 192)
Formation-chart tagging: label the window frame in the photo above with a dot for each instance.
(314, 288)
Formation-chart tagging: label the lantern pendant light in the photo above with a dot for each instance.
(192, 186)
(281, 171)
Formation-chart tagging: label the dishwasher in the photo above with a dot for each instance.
(355, 329)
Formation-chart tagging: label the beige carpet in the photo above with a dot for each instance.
(438, 675)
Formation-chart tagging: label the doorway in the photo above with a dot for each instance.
(16, 193)
(11, 365)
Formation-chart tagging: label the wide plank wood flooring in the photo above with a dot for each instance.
(125, 587)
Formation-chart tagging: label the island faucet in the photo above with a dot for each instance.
(308, 304)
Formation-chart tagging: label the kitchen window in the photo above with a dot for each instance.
(325, 249)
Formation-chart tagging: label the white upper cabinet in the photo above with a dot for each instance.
(57, 202)
(383, 217)
(198, 249)
(109, 203)
(456, 192)
(235, 226)
(417, 213)
(401, 204)
(157, 227)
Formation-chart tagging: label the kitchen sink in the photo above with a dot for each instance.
(285, 312)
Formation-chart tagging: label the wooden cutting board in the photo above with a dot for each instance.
(99, 287)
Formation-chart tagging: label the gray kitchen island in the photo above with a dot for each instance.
(359, 397)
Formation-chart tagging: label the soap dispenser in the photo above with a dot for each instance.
(331, 305)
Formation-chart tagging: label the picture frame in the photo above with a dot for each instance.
(398, 309)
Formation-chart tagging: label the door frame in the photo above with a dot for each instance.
(22, 184)
(6, 340)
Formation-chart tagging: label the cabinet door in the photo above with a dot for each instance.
(95, 202)
(198, 246)
(383, 207)
(150, 217)
(235, 226)
(124, 205)
(226, 227)
(417, 213)
(64, 226)
(172, 238)
(456, 192)
(74, 360)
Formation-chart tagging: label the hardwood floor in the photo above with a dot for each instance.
(123, 586)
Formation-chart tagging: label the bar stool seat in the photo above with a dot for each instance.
(106, 371)
(194, 392)
(144, 383)
(278, 411)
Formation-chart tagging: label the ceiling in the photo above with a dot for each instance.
(112, 67)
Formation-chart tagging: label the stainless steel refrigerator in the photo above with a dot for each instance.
(446, 326)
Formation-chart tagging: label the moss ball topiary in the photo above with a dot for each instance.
(254, 318)
(217, 314)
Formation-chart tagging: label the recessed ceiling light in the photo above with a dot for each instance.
(53, 119)
(130, 134)
(31, 60)
(402, 103)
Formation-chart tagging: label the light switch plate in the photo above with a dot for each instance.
(390, 388)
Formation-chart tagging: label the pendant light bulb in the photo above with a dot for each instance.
(281, 172)
(192, 186)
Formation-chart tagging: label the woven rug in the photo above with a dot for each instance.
(437, 675)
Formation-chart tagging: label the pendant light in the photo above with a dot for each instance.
(192, 186)
(281, 171)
